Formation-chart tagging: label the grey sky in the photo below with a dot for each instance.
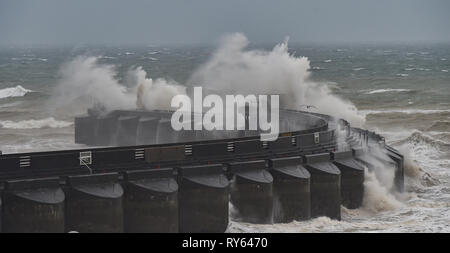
(204, 21)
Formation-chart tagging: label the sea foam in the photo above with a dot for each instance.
(17, 91)
(35, 123)
(386, 90)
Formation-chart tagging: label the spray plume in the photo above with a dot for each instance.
(235, 70)
(232, 68)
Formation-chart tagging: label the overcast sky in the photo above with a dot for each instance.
(205, 21)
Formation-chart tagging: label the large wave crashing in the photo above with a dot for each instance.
(232, 68)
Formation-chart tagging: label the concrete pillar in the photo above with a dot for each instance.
(252, 191)
(352, 179)
(325, 186)
(151, 201)
(291, 188)
(33, 206)
(94, 204)
(203, 199)
(399, 173)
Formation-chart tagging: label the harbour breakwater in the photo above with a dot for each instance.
(155, 179)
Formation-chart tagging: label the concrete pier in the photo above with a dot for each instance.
(399, 173)
(151, 201)
(94, 204)
(252, 191)
(298, 176)
(105, 131)
(352, 179)
(203, 135)
(85, 130)
(126, 130)
(33, 206)
(291, 188)
(325, 186)
(147, 130)
(203, 199)
(165, 133)
(185, 135)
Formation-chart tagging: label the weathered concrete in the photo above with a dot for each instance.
(203, 199)
(105, 131)
(127, 130)
(352, 179)
(151, 201)
(149, 204)
(325, 186)
(291, 188)
(399, 173)
(147, 130)
(165, 133)
(85, 130)
(252, 191)
(94, 204)
(33, 206)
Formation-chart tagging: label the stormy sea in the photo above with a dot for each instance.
(401, 91)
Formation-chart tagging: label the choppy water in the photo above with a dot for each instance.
(403, 91)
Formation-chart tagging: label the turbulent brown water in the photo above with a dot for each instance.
(402, 91)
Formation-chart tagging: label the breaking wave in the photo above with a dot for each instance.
(236, 69)
(418, 138)
(85, 82)
(33, 123)
(17, 91)
(409, 112)
(377, 197)
(442, 126)
(424, 111)
(385, 90)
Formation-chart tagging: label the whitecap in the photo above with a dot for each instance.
(35, 123)
(407, 111)
(106, 57)
(17, 91)
(385, 90)
(328, 60)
